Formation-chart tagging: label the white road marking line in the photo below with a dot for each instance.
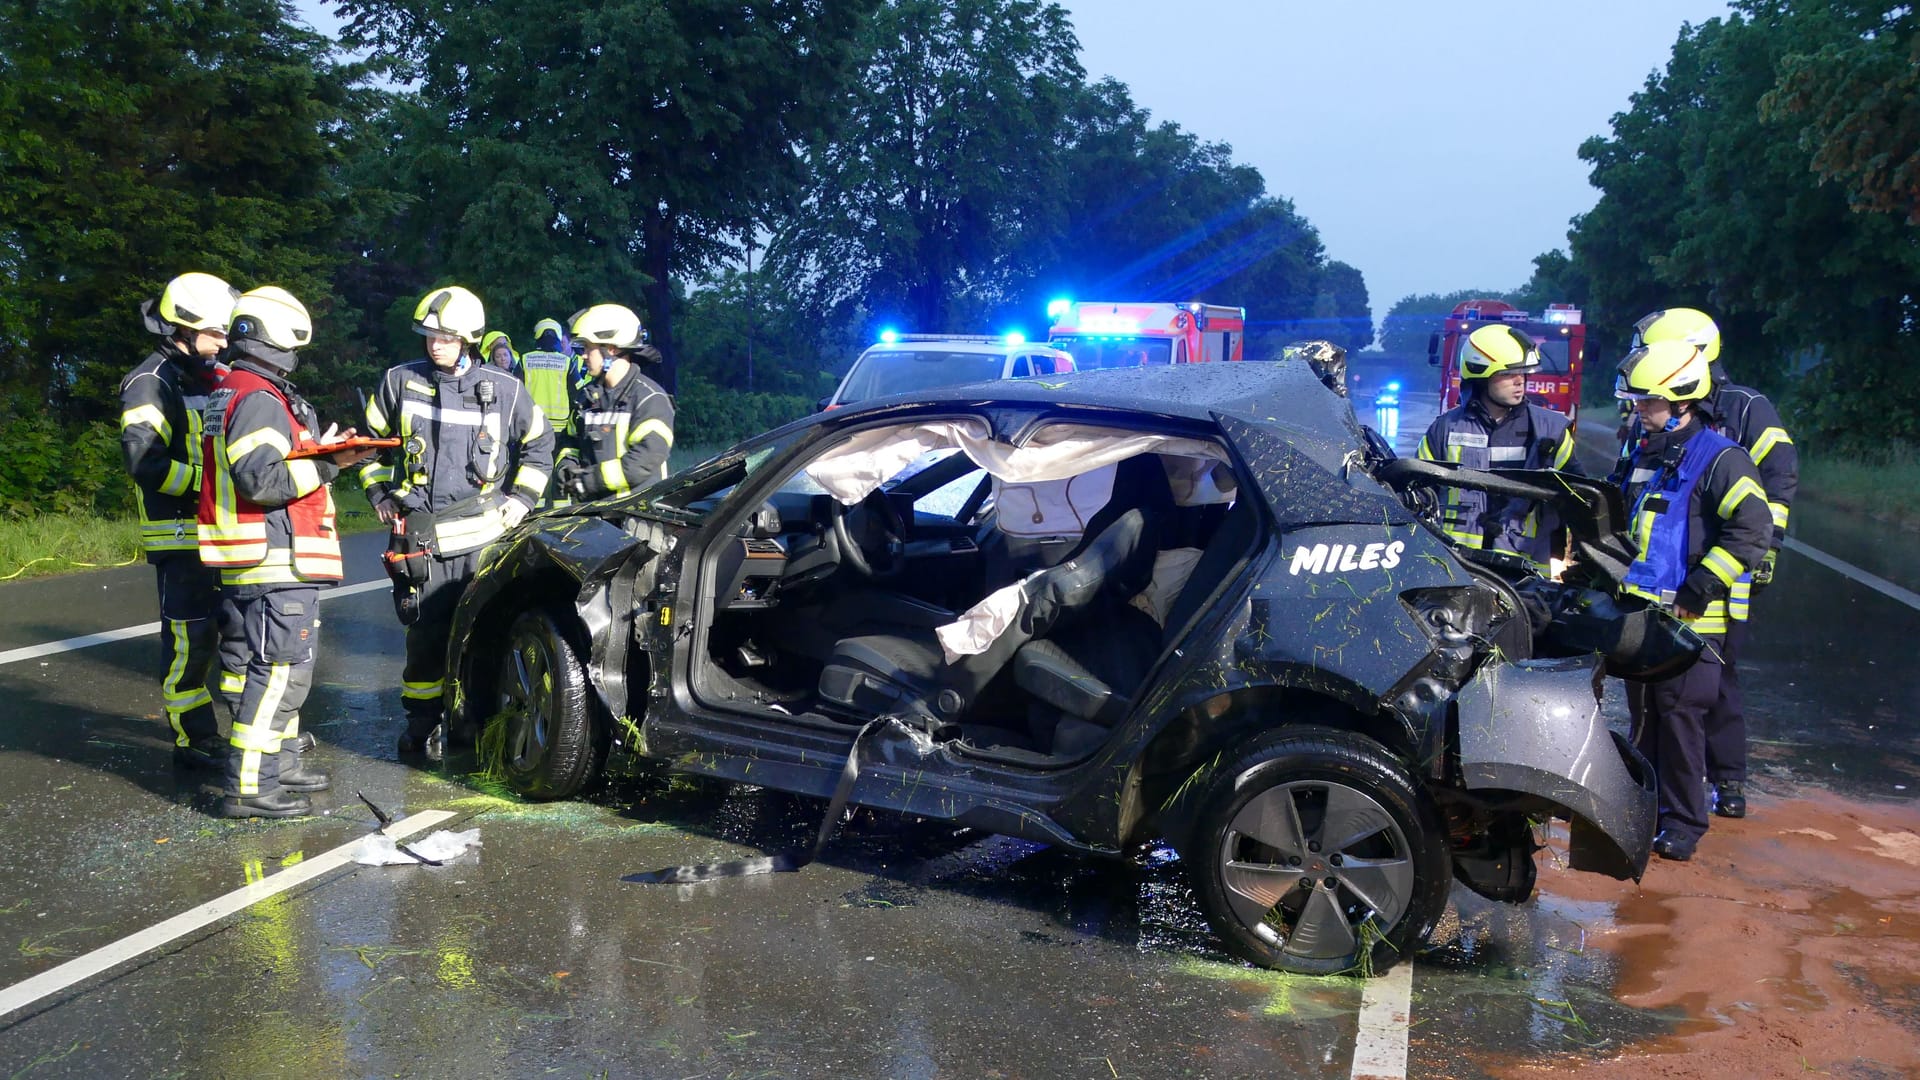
(52, 981)
(107, 637)
(1380, 1046)
(1841, 566)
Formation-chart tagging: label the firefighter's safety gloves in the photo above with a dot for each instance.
(574, 476)
(513, 512)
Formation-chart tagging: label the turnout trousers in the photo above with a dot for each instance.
(280, 625)
(423, 682)
(1670, 730)
(189, 606)
(1727, 721)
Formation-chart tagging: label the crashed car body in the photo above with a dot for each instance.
(1162, 602)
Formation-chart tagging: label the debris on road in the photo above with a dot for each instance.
(442, 846)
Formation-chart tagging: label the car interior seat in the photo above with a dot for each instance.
(902, 668)
(1086, 672)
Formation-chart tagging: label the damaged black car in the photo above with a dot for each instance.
(1200, 603)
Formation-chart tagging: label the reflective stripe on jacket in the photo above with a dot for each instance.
(1746, 416)
(264, 518)
(468, 439)
(624, 432)
(160, 440)
(1529, 437)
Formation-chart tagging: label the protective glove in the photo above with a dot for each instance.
(1763, 574)
(513, 512)
(568, 470)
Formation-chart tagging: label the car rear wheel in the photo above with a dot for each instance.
(1315, 852)
(545, 707)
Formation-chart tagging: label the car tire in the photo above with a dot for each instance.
(551, 748)
(1314, 852)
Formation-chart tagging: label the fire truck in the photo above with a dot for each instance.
(1107, 333)
(1558, 330)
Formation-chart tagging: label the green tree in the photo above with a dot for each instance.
(941, 187)
(140, 141)
(575, 152)
(1711, 201)
(1860, 102)
(1412, 318)
(1340, 310)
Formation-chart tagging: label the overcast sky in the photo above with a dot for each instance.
(1432, 144)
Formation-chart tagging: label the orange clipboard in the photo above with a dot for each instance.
(352, 443)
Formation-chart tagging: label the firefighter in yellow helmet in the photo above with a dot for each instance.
(1700, 524)
(266, 522)
(1496, 427)
(623, 420)
(474, 458)
(1744, 415)
(160, 405)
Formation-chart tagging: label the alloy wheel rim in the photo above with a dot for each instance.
(527, 702)
(1315, 867)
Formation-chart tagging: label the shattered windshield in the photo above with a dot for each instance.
(700, 487)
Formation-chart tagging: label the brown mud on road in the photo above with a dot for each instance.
(1790, 944)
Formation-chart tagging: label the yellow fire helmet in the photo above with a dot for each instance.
(612, 325)
(1690, 325)
(1498, 349)
(450, 309)
(196, 301)
(1669, 370)
(270, 314)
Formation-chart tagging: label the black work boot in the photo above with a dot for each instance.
(423, 741)
(207, 756)
(301, 743)
(278, 803)
(1674, 845)
(297, 775)
(1729, 799)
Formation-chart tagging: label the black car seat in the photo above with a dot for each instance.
(1087, 672)
(902, 669)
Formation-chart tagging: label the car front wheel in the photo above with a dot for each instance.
(1315, 852)
(545, 711)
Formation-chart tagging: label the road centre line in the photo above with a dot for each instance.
(107, 637)
(52, 981)
(1841, 566)
(1380, 1045)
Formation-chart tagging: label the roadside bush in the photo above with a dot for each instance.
(715, 416)
(50, 467)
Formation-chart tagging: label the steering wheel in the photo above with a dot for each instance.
(891, 523)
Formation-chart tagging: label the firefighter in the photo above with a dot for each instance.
(1699, 519)
(549, 371)
(1748, 418)
(1496, 427)
(475, 458)
(266, 521)
(160, 405)
(497, 348)
(623, 421)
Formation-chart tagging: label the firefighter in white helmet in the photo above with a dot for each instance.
(474, 458)
(266, 522)
(623, 421)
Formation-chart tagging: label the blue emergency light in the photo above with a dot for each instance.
(1015, 337)
(889, 336)
(1058, 306)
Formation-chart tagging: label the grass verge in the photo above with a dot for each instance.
(40, 545)
(1886, 489)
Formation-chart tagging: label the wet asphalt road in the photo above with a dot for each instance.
(910, 951)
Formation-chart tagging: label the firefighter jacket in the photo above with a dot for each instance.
(1529, 437)
(265, 518)
(1699, 521)
(623, 432)
(1744, 415)
(470, 439)
(549, 377)
(160, 406)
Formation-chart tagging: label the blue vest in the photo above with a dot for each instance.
(1662, 524)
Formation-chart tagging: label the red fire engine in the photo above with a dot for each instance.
(1106, 333)
(1558, 330)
